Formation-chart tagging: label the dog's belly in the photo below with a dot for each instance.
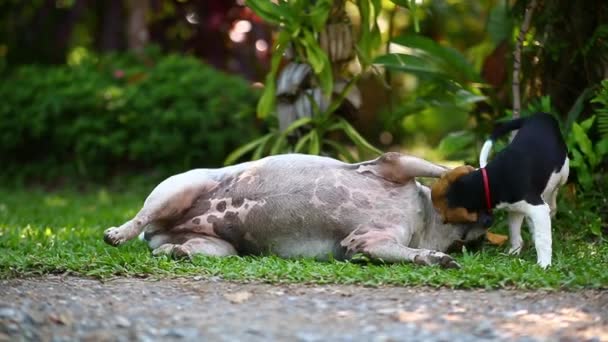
(302, 208)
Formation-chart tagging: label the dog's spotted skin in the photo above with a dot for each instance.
(298, 205)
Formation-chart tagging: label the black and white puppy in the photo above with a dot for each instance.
(523, 178)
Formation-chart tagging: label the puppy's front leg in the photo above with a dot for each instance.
(540, 219)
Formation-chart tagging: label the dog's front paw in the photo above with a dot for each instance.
(113, 237)
(436, 258)
(515, 249)
(544, 262)
(181, 252)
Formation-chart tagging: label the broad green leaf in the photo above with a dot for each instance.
(336, 101)
(315, 144)
(342, 151)
(281, 139)
(413, 13)
(319, 14)
(450, 61)
(577, 108)
(407, 63)
(602, 122)
(319, 62)
(278, 145)
(584, 143)
(464, 97)
(326, 79)
(500, 23)
(356, 138)
(303, 140)
(369, 38)
(587, 123)
(270, 12)
(601, 148)
(267, 100)
(259, 151)
(239, 152)
(456, 142)
(402, 3)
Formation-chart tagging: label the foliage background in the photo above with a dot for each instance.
(92, 90)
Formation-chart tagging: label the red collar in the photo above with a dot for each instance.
(486, 189)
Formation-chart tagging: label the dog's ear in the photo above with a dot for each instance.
(439, 192)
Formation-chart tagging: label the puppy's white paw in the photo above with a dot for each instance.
(544, 263)
(112, 236)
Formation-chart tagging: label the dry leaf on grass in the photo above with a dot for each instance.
(496, 239)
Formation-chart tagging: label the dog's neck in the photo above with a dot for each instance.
(475, 197)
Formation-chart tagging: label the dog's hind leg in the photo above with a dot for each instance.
(168, 200)
(515, 220)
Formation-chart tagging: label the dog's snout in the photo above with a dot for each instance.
(486, 220)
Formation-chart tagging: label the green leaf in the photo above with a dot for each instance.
(584, 143)
(601, 148)
(319, 14)
(336, 101)
(259, 151)
(278, 145)
(414, 15)
(268, 99)
(239, 152)
(456, 142)
(587, 123)
(407, 63)
(355, 137)
(342, 151)
(282, 138)
(272, 13)
(302, 141)
(577, 108)
(369, 38)
(500, 23)
(402, 3)
(315, 144)
(448, 60)
(319, 62)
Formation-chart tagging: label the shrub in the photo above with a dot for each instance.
(120, 113)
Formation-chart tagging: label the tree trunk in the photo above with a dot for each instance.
(112, 21)
(137, 29)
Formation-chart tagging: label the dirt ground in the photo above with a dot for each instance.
(70, 308)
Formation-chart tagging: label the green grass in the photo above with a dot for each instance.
(61, 232)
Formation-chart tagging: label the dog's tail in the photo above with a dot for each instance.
(498, 132)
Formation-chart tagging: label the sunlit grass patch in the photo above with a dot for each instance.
(61, 232)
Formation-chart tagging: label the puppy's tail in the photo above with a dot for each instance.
(498, 132)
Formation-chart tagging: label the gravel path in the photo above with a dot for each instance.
(68, 309)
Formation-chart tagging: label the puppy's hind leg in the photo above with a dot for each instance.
(540, 220)
(515, 220)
